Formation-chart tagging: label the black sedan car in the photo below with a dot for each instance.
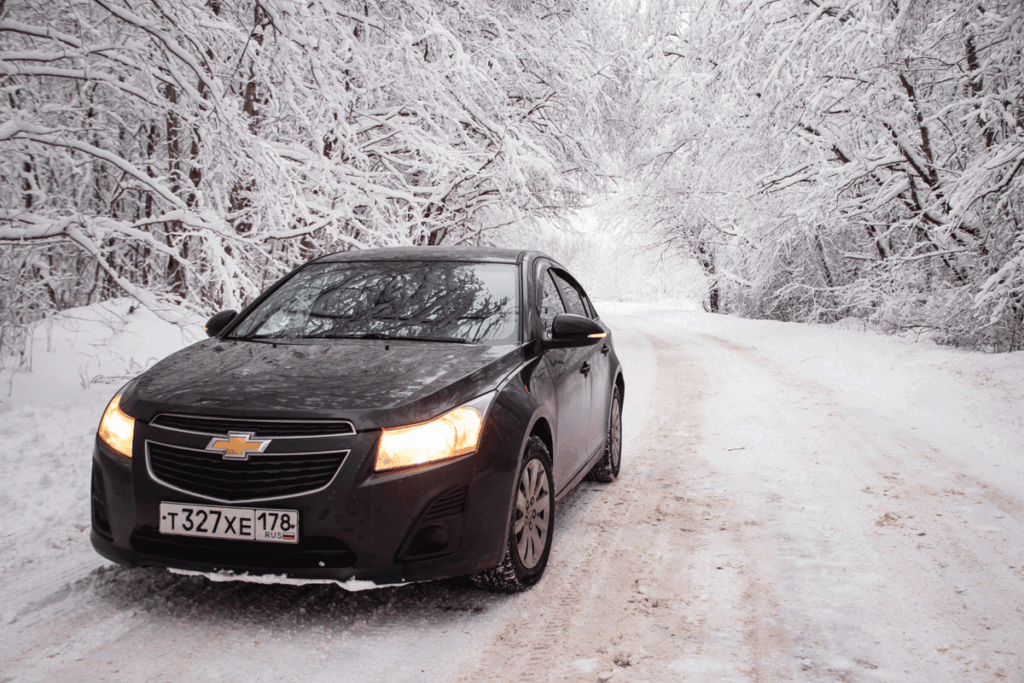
(386, 415)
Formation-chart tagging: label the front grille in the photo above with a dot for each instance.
(219, 426)
(261, 476)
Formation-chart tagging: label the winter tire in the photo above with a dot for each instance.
(530, 527)
(607, 468)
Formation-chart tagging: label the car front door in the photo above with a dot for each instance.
(571, 382)
(596, 359)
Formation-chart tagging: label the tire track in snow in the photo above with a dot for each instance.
(747, 602)
(546, 623)
(532, 645)
(635, 590)
(952, 568)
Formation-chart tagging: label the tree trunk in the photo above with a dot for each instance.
(175, 271)
(707, 262)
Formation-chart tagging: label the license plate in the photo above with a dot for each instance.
(240, 524)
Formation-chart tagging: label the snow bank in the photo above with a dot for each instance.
(106, 343)
(48, 419)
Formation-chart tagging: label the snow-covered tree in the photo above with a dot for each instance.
(865, 156)
(191, 151)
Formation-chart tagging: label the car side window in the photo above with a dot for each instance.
(571, 296)
(550, 302)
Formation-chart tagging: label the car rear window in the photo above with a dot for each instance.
(439, 301)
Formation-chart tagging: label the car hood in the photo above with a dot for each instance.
(372, 383)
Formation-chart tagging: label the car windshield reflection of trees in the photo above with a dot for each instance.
(452, 302)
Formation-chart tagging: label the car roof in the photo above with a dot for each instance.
(475, 254)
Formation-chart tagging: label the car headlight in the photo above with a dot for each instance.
(447, 436)
(117, 429)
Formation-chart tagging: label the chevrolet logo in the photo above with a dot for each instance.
(238, 445)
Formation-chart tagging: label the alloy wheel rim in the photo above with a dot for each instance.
(616, 436)
(533, 510)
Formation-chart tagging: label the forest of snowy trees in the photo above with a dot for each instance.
(832, 159)
(818, 160)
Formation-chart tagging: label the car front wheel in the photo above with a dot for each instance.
(530, 527)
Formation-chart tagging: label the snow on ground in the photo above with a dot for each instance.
(971, 402)
(808, 503)
(48, 420)
(867, 491)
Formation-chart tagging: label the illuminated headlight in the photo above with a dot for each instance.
(447, 436)
(117, 429)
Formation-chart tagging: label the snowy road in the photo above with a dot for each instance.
(796, 504)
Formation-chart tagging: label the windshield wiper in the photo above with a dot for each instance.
(394, 337)
(369, 335)
(258, 338)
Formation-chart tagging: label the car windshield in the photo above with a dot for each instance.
(421, 300)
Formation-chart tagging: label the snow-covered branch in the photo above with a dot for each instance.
(869, 155)
(197, 150)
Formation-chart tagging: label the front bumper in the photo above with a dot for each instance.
(445, 520)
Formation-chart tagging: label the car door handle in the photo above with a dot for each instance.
(585, 369)
(605, 349)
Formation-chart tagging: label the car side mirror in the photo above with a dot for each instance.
(216, 324)
(568, 330)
